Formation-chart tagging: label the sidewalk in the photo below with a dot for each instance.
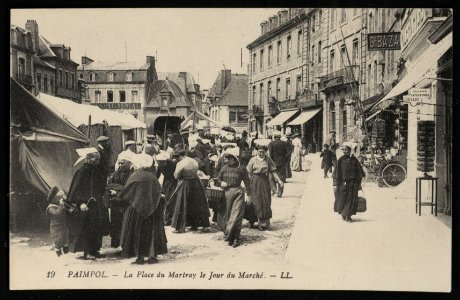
(389, 247)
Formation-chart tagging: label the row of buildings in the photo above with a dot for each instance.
(314, 70)
(160, 99)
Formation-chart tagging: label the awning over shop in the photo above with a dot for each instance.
(282, 117)
(418, 71)
(305, 116)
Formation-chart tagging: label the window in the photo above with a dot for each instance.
(319, 51)
(112, 76)
(369, 74)
(39, 82)
(254, 63)
(261, 94)
(122, 96)
(261, 59)
(52, 84)
(344, 122)
(332, 118)
(254, 95)
(278, 52)
(45, 84)
(232, 116)
(21, 67)
(343, 56)
(375, 81)
(92, 76)
(66, 80)
(134, 96)
(81, 76)
(320, 19)
(269, 91)
(354, 57)
(60, 77)
(332, 12)
(298, 86)
(270, 55)
(313, 53)
(371, 23)
(343, 15)
(109, 96)
(129, 76)
(72, 81)
(278, 81)
(97, 96)
(299, 43)
(313, 23)
(331, 62)
(289, 47)
(288, 88)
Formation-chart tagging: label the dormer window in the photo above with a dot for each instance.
(112, 76)
(92, 76)
(129, 76)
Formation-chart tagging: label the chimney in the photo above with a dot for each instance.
(182, 82)
(32, 26)
(151, 69)
(225, 78)
(151, 60)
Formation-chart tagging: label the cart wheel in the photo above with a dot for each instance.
(393, 174)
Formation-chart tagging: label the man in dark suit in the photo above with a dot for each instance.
(279, 153)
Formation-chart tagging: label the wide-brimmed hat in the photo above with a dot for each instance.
(102, 138)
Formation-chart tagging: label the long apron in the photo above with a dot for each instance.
(234, 213)
(261, 196)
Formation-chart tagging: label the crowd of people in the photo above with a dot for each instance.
(129, 204)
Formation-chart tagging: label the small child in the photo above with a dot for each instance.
(326, 163)
(58, 221)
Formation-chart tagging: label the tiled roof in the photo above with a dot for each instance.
(178, 97)
(44, 48)
(236, 93)
(174, 76)
(38, 61)
(115, 66)
(216, 87)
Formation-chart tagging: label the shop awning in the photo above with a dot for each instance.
(305, 116)
(418, 71)
(282, 117)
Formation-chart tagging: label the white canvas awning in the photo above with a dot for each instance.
(305, 116)
(282, 117)
(425, 63)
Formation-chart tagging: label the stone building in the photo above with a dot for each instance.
(120, 86)
(228, 99)
(276, 70)
(21, 57)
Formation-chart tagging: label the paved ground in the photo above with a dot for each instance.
(191, 252)
(388, 247)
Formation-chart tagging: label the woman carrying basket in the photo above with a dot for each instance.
(259, 167)
(230, 177)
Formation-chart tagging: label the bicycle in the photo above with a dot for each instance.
(386, 171)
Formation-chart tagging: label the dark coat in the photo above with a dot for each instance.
(279, 152)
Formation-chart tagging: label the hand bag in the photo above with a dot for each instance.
(362, 203)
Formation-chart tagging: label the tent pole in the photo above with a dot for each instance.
(89, 127)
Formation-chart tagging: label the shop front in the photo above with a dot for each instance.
(288, 110)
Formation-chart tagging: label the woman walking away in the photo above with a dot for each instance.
(296, 158)
(347, 177)
(143, 233)
(230, 178)
(166, 166)
(259, 167)
(188, 201)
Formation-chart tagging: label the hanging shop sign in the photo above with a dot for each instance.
(384, 41)
(417, 96)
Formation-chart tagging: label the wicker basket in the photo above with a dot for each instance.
(215, 196)
(204, 182)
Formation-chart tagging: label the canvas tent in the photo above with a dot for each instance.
(192, 121)
(43, 145)
(119, 127)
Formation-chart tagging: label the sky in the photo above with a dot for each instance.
(200, 41)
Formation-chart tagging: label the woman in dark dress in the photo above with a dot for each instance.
(167, 166)
(143, 233)
(188, 201)
(259, 167)
(230, 177)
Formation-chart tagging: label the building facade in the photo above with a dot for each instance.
(121, 86)
(21, 57)
(228, 100)
(276, 70)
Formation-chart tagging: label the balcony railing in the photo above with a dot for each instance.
(24, 78)
(256, 111)
(309, 100)
(340, 77)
